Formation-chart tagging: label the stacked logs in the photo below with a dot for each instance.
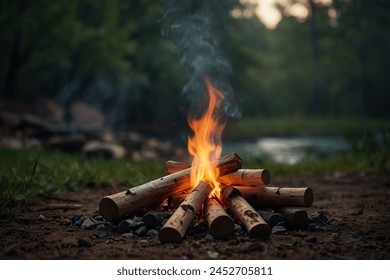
(242, 190)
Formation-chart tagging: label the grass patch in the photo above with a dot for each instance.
(28, 173)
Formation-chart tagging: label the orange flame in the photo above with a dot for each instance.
(205, 145)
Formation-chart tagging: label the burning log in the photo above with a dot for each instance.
(220, 223)
(301, 197)
(116, 206)
(175, 228)
(254, 224)
(298, 217)
(241, 177)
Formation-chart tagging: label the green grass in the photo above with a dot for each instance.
(28, 173)
(261, 126)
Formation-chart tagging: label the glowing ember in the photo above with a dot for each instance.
(205, 145)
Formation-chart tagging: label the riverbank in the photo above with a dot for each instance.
(252, 128)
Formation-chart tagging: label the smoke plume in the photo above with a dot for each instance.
(191, 24)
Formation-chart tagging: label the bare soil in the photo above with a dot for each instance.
(357, 206)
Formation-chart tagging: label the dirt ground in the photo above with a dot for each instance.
(357, 206)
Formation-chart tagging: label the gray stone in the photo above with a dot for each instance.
(78, 219)
(100, 234)
(271, 218)
(109, 150)
(49, 110)
(301, 233)
(128, 235)
(335, 237)
(278, 229)
(88, 224)
(209, 237)
(152, 233)
(86, 118)
(237, 229)
(125, 225)
(11, 143)
(141, 231)
(152, 219)
(319, 218)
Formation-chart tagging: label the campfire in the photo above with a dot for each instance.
(211, 184)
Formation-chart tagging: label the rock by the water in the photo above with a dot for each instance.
(109, 150)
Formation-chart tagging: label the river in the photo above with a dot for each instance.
(289, 150)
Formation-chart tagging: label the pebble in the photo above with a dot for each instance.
(319, 218)
(98, 217)
(100, 234)
(237, 229)
(141, 231)
(335, 237)
(128, 235)
(278, 229)
(209, 237)
(213, 254)
(301, 233)
(88, 224)
(77, 219)
(152, 219)
(152, 233)
(271, 218)
(144, 243)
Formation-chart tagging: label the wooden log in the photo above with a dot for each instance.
(175, 228)
(221, 225)
(254, 224)
(298, 217)
(116, 206)
(301, 197)
(242, 177)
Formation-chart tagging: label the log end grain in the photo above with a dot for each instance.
(308, 197)
(222, 227)
(265, 177)
(260, 231)
(109, 209)
(169, 235)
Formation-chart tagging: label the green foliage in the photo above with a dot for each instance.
(113, 53)
(28, 173)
